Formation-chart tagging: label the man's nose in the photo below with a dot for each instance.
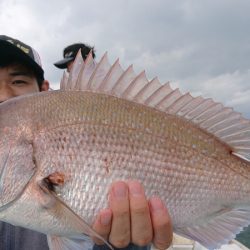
(6, 92)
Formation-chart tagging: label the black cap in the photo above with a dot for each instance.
(10, 47)
(70, 52)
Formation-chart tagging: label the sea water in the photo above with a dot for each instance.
(244, 237)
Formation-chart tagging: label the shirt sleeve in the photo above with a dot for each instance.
(129, 247)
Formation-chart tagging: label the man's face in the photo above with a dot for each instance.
(16, 80)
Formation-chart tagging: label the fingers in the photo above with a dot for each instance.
(131, 215)
(141, 227)
(119, 203)
(131, 218)
(102, 225)
(163, 232)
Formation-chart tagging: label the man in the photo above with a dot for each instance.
(130, 219)
(70, 52)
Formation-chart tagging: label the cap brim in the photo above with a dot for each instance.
(62, 64)
(8, 50)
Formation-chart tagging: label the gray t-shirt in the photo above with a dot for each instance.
(18, 238)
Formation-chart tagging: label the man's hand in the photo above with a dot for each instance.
(133, 219)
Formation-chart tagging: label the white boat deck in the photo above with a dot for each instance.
(181, 243)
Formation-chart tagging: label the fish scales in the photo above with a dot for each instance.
(104, 138)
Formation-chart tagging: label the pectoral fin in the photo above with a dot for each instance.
(62, 243)
(62, 211)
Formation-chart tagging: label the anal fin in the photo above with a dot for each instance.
(220, 230)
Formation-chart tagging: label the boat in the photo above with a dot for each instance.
(181, 243)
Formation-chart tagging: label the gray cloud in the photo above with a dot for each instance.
(200, 46)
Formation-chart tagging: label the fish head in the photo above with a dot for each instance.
(17, 165)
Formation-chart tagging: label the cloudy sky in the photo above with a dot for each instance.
(202, 46)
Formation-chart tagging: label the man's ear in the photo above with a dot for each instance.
(45, 86)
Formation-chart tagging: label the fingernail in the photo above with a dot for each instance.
(156, 204)
(106, 218)
(120, 190)
(135, 188)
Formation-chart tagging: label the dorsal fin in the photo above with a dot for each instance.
(224, 123)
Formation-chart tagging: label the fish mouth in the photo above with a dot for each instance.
(3, 168)
(3, 171)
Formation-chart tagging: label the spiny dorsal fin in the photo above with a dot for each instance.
(224, 123)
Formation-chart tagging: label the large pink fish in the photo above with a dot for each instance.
(61, 150)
